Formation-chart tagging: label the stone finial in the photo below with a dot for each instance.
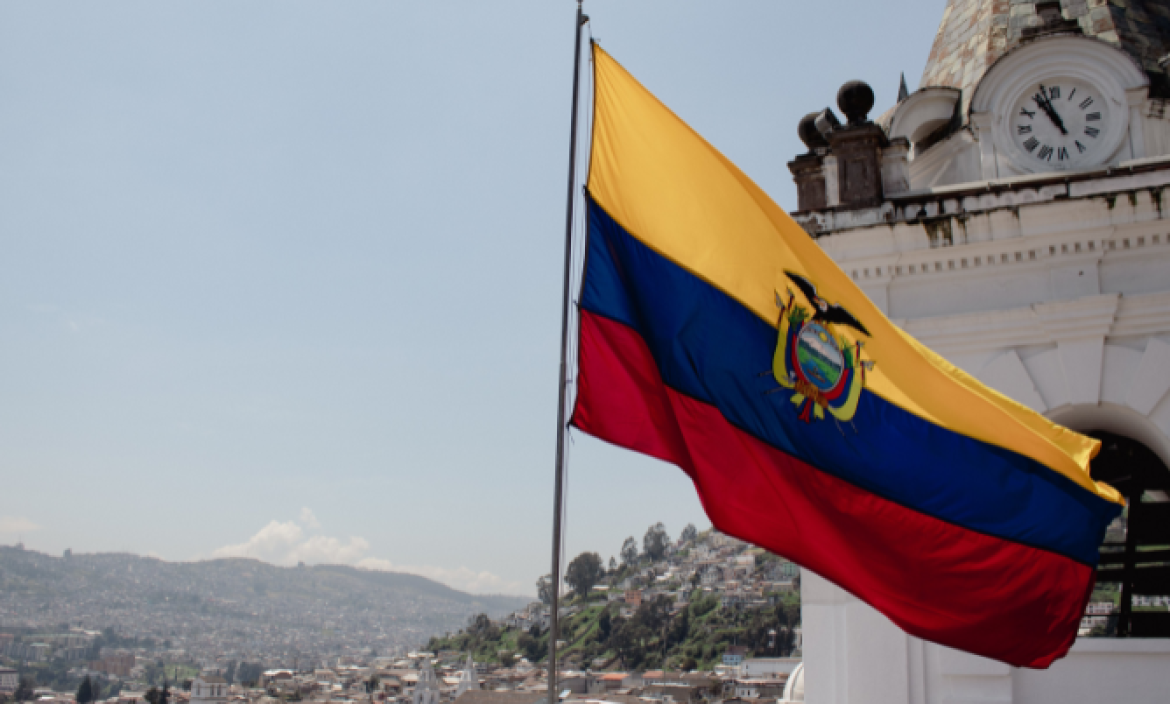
(809, 134)
(855, 99)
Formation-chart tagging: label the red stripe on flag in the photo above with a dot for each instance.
(934, 579)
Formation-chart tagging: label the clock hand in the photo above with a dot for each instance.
(1045, 104)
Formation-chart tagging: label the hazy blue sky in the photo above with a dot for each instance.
(283, 278)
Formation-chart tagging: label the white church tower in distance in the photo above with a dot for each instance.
(427, 689)
(1013, 214)
(468, 679)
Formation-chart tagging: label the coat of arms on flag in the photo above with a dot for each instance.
(822, 367)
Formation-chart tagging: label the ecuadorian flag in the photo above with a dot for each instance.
(716, 335)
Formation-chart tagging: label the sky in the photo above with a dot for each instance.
(282, 279)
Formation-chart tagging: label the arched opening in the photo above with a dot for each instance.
(1135, 557)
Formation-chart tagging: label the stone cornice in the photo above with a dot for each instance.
(1104, 316)
(1091, 316)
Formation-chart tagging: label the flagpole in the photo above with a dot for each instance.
(562, 390)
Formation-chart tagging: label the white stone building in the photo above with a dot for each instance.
(209, 689)
(9, 680)
(1012, 214)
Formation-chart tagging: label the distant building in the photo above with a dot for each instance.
(468, 679)
(485, 697)
(734, 655)
(768, 667)
(761, 688)
(119, 665)
(426, 690)
(9, 680)
(209, 689)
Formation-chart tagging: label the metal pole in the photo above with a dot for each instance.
(558, 491)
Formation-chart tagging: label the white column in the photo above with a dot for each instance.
(1136, 98)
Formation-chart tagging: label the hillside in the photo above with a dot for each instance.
(683, 602)
(237, 605)
(597, 636)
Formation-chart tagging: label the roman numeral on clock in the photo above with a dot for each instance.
(1027, 113)
(1086, 103)
(1054, 92)
(1080, 147)
(1062, 154)
(1092, 132)
(1093, 116)
(1031, 144)
(1045, 153)
(1023, 129)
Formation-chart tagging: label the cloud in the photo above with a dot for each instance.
(16, 525)
(320, 549)
(287, 544)
(308, 518)
(274, 542)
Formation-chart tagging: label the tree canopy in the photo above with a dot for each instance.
(655, 541)
(584, 571)
(85, 693)
(25, 689)
(629, 551)
(544, 589)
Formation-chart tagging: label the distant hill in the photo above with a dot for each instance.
(240, 605)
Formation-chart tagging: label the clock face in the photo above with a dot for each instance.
(1060, 124)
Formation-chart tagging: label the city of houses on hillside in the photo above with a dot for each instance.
(339, 661)
(122, 670)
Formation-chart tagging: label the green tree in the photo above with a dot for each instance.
(544, 589)
(532, 645)
(612, 564)
(153, 695)
(584, 571)
(24, 689)
(248, 673)
(655, 541)
(479, 624)
(85, 692)
(604, 625)
(689, 534)
(630, 551)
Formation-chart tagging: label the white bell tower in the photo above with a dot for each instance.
(427, 689)
(468, 679)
